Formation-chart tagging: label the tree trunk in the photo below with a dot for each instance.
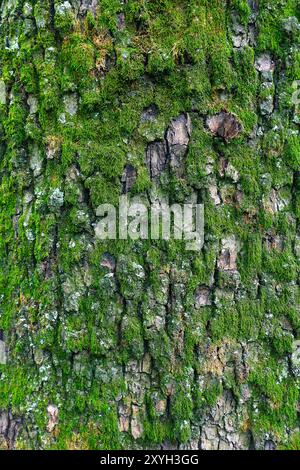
(144, 344)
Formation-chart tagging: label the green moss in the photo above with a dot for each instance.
(280, 265)
(292, 151)
(78, 55)
(181, 410)
(271, 15)
(64, 22)
(132, 338)
(251, 259)
(156, 432)
(59, 304)
(293, 444)
(211, 394)
(225, 324)
(14, 124)
(243, 10)
(109, 159)
(278, 407)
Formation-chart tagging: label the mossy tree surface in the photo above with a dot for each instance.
(151, 346)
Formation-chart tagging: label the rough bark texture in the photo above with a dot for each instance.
(110, 345)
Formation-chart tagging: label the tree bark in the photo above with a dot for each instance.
(123, 344)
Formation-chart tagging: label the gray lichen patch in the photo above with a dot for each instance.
(2, 92)
(3, 357)
(56, 199)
